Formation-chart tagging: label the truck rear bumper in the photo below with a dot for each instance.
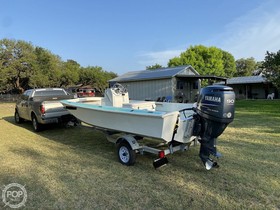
(61, 119)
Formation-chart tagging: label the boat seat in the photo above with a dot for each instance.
(148, 105)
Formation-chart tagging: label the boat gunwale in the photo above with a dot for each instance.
(119, 110)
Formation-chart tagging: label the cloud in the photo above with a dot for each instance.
(159, 57)
(250, 35)
(253, 34)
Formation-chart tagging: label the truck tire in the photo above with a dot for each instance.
(126, 155)
(36, 126)
(18, 119)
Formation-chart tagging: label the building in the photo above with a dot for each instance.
(174, 84)
(251, 87)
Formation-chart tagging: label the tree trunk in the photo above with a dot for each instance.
(18, 86)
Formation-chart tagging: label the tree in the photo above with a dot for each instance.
(70, 73)
(245, 67)
(271, 68)
(96, 77)
(229, 64)
(153, 67)
(48, 69)
(16, 64)
(24, 66)
(103, 78)
(206, 60)
(176, 61)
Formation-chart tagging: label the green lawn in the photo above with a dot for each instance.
(76, 168)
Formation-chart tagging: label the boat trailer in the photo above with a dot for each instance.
(128, 145)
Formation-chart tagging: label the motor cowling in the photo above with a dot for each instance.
(216, 103)
(214, 111)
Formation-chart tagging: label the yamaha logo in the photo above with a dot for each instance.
(213, 98)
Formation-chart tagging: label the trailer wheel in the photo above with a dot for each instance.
(36, 125)
(126, 155)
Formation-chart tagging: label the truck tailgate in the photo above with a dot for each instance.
(53, 106)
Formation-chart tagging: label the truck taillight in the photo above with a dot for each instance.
(42, 109)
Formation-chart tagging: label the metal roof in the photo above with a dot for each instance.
(246, 80)
(203, 77)
(156, 74)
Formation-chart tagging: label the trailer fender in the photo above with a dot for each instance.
(129, 139)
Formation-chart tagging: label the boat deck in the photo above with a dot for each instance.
(94, 105)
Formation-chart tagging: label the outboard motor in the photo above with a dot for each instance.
(215, 110)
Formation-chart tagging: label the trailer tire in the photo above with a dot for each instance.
(126, 154)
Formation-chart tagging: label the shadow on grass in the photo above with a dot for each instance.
(80, 137)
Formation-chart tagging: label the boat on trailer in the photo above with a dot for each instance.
(175, 125)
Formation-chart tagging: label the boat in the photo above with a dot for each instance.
(116, 112)
(177, 125)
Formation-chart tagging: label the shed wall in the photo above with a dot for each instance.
(149, 89)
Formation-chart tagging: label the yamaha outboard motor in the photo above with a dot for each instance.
(215, 110)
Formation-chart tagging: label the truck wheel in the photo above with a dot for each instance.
(18, 119)
(36, 126)
(126, 155)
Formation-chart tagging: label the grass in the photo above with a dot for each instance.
(76, 168)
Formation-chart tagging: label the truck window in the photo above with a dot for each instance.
(26, 94)
(50, 93)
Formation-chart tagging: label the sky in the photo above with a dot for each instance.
(128, 35)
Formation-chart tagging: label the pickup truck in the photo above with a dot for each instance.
(42, 106)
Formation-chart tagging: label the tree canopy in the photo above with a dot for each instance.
(246, 67)
(153, 67)
(24, 66)
(17, 64)
(206, 60)
(96, 76)
(271, 68)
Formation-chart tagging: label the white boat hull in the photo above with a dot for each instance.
(155, 124)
